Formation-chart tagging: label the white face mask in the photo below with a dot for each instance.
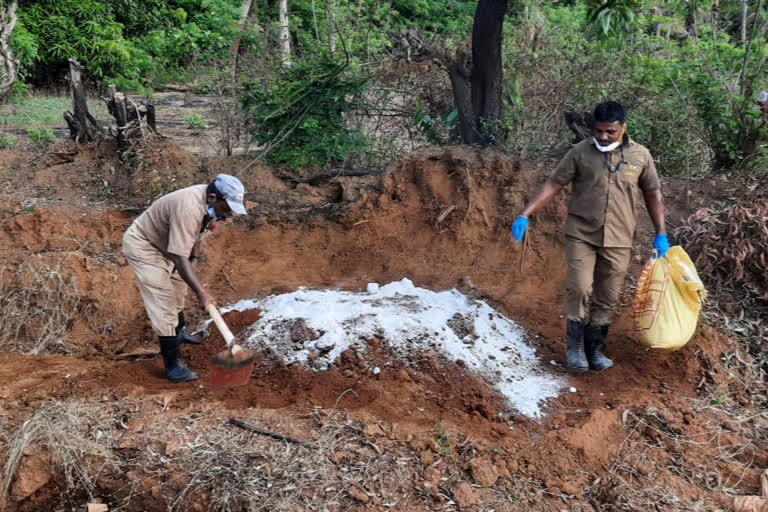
(210, 211)
(608, 148)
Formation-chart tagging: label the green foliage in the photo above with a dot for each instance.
(613, 17)
(25, 46)
(42, 135)
(298, 117)
(196, 120)
(7, 141)
(686, 99)
(126, 41)
(84, 29)
(440, 130)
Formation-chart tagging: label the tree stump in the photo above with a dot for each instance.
(580, 124)
(131, 117)
(82, 125)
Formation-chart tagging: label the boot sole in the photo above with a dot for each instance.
(183, 380)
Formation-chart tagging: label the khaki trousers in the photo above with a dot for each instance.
(594, 281)
(162, 288)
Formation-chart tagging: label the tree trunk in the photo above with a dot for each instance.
(82, 126)
(459, 73)
(314, 22)
(285, 34)
(245, 10)
(9, 65)
(744, 13)
(331, 6)
(486, 71)
(690, 20)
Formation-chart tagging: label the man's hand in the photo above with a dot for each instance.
(205, 298)
(518, 228)
(661, 244)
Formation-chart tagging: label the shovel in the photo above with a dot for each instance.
(233, 366)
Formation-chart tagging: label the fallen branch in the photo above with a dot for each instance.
(273, 435)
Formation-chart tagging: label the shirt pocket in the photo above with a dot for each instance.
(630, 173)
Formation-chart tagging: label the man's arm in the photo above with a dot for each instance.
(544, 195)
(654, 202)
(188, 274)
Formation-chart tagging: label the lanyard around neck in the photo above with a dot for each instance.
(618, 165)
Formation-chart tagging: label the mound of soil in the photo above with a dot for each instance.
(439, 217)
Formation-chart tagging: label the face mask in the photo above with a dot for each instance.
(210, 211)
(608, 148)
(611, 147)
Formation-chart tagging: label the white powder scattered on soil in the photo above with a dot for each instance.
(313, 327)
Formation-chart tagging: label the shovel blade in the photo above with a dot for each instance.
(231, 377)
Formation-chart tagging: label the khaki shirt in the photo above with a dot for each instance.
(173, 223)
(601, 210)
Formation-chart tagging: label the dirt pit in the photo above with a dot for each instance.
(87, 416)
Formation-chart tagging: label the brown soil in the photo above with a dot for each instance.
(440, 217)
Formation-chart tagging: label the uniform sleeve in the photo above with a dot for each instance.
(649, 178)
(565, 170)
(183, 231)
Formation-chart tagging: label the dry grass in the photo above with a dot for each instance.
(76, 436)
(143, 454)
(729, 244)
(657, 457)
(38, 306)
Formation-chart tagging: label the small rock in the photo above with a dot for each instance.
(33, 473)
(572, 489)
(464, 495)
(358, 494)
(432, 476)
(404, 376)
(483, 472)
(372, 288)
(376, 371)
(374, 430)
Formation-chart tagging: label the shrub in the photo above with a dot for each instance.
(196, 120)
(7, 141)
(42, 135)
(298, 118)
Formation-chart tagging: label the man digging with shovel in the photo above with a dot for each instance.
(606, 173)
(162, 246)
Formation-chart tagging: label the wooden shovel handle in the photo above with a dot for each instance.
(229, 338)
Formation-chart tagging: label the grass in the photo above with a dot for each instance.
(44, 110)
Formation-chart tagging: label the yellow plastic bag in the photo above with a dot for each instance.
(668, 301)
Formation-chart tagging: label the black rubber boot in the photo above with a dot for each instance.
(184, 337)
(175, 369)
(594, 344)
(577, 359)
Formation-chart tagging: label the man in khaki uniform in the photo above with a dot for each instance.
(162, 247)
(606, 174)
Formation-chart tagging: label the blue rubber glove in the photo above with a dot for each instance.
(661, 244)
(518, 228)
